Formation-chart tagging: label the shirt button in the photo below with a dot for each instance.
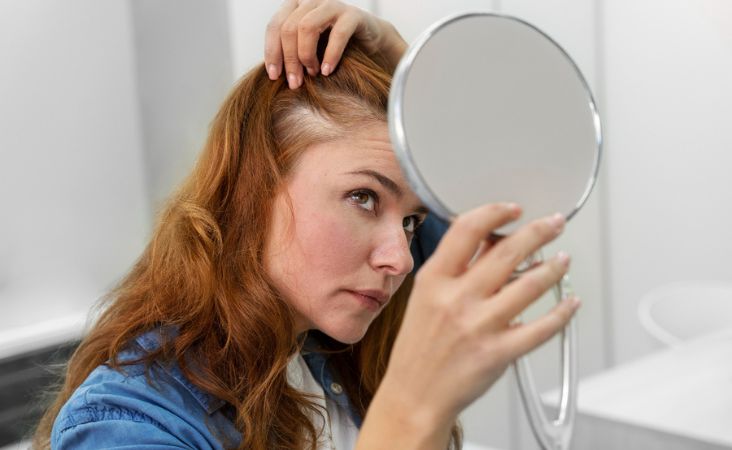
(336, 388)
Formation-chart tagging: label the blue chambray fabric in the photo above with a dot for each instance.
(133, 409)
(161, 409)
(426, 238)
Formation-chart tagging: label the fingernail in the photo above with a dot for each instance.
(575, 302)
(292, 80)
(556, 222)
(563, 258)
(272, 72)
(572, 302)
(311, 71)
(325, 69)
(513, 208)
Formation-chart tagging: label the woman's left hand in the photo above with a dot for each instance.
(293, 32)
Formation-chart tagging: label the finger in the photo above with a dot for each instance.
(510, 301)
(289, 33)
(522, 338)
(467, 231)
(312, 26)
(340, 34)
(273, 42)
(489, 273)
(483, 247)
(486, 245)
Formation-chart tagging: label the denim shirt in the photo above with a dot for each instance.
(161, 408)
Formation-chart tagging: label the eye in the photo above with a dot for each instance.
(410, 223)
(364, 199)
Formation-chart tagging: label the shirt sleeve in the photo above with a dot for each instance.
(116, 434)
(115, 412)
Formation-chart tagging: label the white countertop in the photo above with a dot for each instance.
(47, 333)
(32, 320)
(683, 391)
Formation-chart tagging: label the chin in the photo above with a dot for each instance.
(347, 335)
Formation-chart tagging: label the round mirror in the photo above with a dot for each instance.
(487, 108)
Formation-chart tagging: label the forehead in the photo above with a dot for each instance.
(366, 148)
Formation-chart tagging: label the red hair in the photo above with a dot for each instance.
(202, 271)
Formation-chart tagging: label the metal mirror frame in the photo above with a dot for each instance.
(396, 114)
(555, 434)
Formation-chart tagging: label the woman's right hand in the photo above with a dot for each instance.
(457, 337)
(292, 37)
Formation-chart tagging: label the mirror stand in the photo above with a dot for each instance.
(555, 434)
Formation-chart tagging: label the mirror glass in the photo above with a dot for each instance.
(487, 108)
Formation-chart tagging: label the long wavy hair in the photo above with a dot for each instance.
(202, 271)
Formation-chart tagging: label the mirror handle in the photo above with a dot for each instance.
(555, 434)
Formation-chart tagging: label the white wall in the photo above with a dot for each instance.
(74, 210)
(668, 94)
(183, 69)
(105, 106)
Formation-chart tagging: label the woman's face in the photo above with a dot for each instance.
(339, 248)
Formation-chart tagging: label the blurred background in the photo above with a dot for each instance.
(105, 105)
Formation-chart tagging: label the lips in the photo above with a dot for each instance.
(378, 296)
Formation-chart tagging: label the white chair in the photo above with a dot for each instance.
(676, 312)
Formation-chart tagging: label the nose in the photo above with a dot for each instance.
(391, 253)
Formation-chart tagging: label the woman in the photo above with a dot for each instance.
(270, 309)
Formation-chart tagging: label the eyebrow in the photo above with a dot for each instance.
(389, 185)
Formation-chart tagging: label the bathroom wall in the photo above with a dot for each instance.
(667, 94)
(72, 185)
(105, 106)
(183, 69)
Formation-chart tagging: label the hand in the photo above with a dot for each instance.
(457, 337)
(292, 37)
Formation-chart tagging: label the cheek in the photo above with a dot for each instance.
(332, 242)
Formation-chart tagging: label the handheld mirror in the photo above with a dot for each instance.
(487, 108)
